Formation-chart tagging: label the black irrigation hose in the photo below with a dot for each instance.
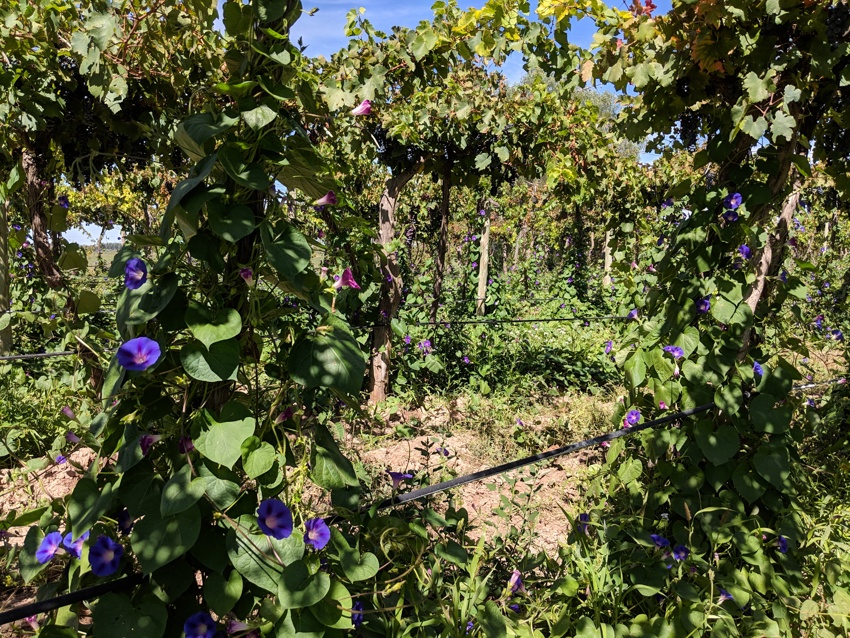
(42, 606)
(134, 579)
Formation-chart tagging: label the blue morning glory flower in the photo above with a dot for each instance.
(680, 552)
(398, 477)
(782, 544)
(125, 522)
(63, 201)
(758, 369)
(675, 351)
(783, 276)
(704, 305)
(659, 540)
(48, 547)
(583, 520)
(724, 596)
(317, 534)
(515, 582)
(819, 322)
(745, 251)
(138, 354)
(135, 273)
(837, 335)
(199, 625)
(609, 345)
(75, 547)
(732, 201)
(730, 216)
(632, 418)
(357, 614)
(105, 555)
(275, 518)
(633, 314)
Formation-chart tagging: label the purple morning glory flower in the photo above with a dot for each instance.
(275, 518)
(732, 201)
(329, 199)
(425, 346)
(443, 451)
(515, 582)
(317, 534)
(482, 212)
(583, 521)
(63, 201)
(48, 547)
(516, 608)
(609, 346)
(71, 437)
(357, 614)
(135, 273)
(633, 314)
(465, 360)
(284, 416)
(632, 418)
(730, 216)
(60, 459)
(819, 321)
(783, 277)
(680, 552)
(199, 625)
(704, 305)
(407, 339)
(758, 369)
(105, 555)
(724, 596)
(68, 412)
(398, 477)
(364, 108)
(837, 335)
(659, 540)
(667, 203)
(75, 547)
(782, 544)
(469, 626)
(125, 522)
(247, 276)
(346, 281)
(16, 226)
(675, 351)
(185, 445)
(146, 441)
(475, 264)
(811, 403)
(138, 354)
(745, 251)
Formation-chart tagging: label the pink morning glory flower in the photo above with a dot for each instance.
(364, 108)
(248, 276)
(346, 281)
(329, 199)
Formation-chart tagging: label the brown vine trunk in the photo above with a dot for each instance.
(442, 241)
(379, 373)
(37, 191)
(606, 252)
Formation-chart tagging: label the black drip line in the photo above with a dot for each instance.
(131, 580)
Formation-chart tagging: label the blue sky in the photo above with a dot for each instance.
(323, 34)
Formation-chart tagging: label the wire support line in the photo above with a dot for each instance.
(48, 355)
(466, 322)
(467, 299)
(87, 593)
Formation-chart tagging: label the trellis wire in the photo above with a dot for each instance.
(94, 591)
